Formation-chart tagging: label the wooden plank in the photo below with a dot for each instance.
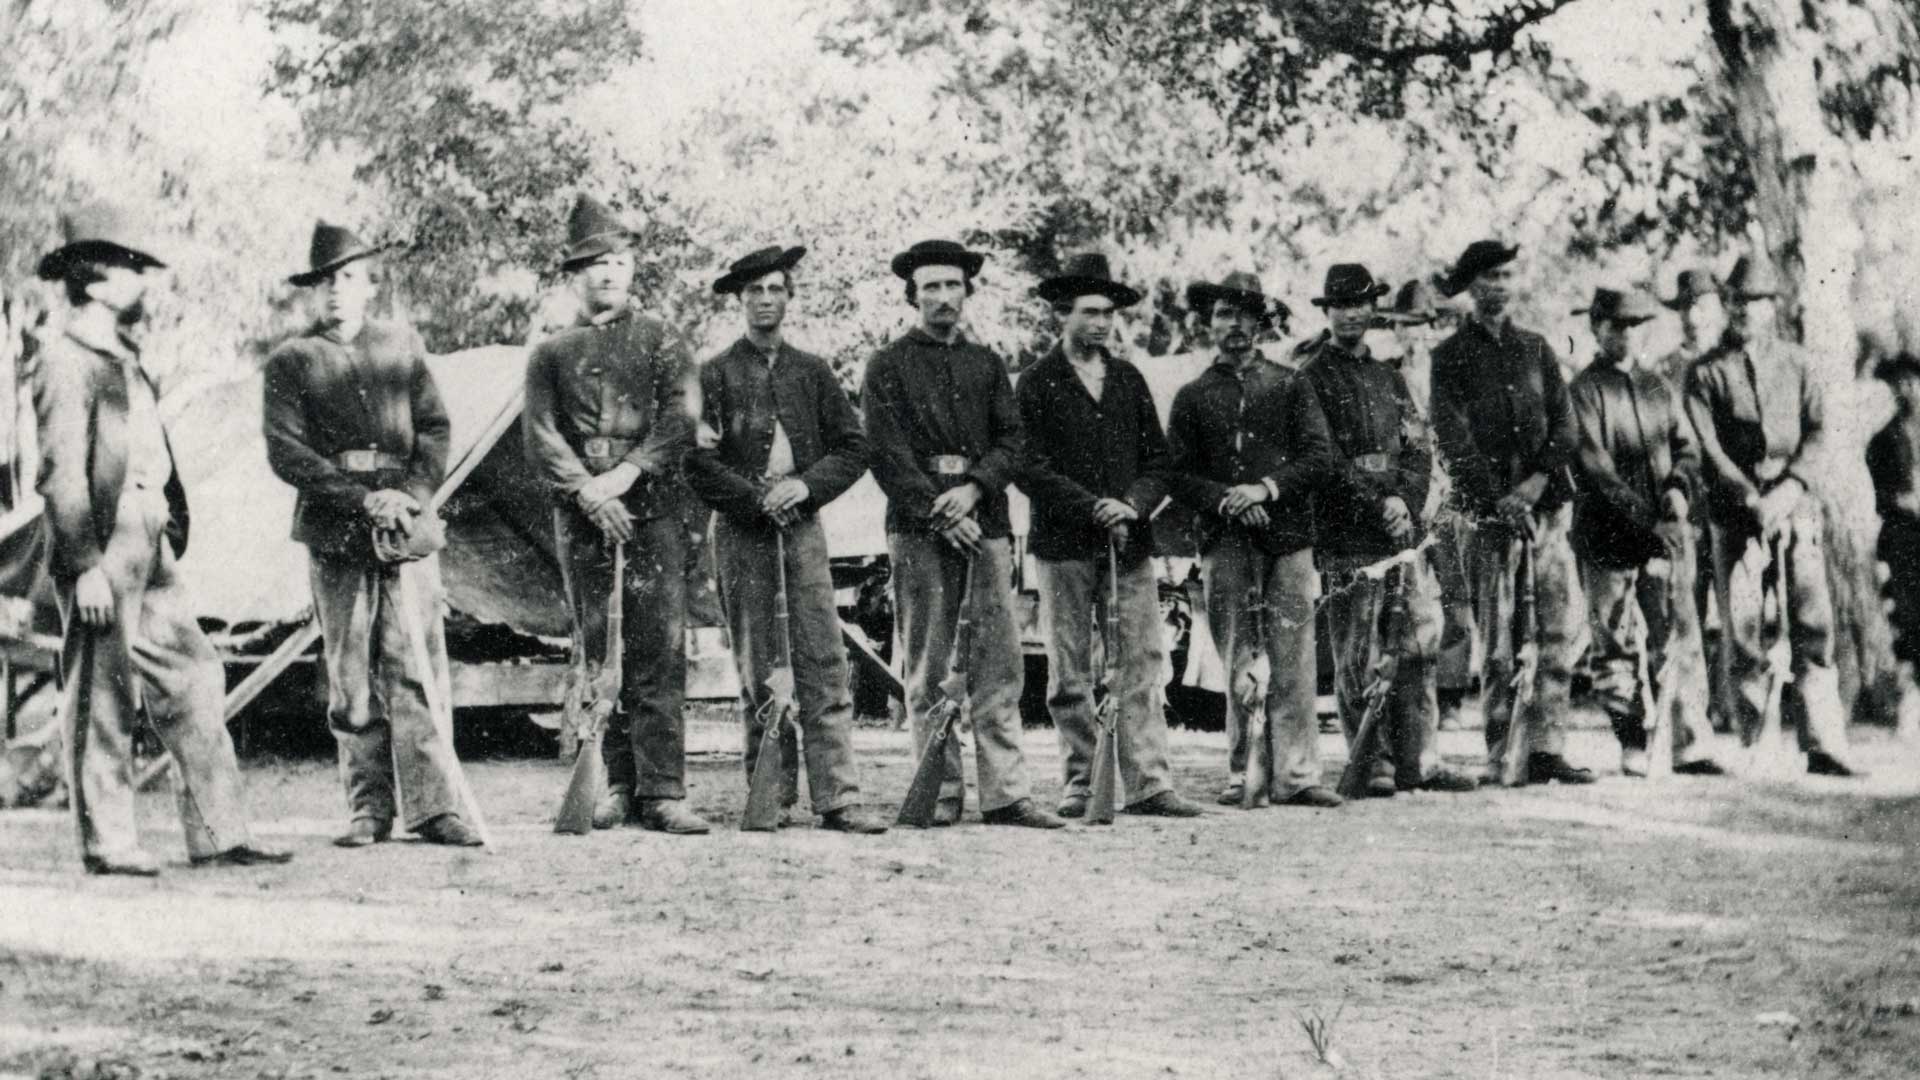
(865, 653)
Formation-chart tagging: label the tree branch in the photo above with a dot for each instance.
(1332, 31)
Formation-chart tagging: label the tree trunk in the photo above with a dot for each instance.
(1811, 205)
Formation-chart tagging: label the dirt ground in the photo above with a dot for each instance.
(1685, 927)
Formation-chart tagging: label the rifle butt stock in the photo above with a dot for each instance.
(584, 787)
(1105, 782)
(923, 793)
(764, 786)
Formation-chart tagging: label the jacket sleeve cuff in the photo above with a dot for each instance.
(1273, 488)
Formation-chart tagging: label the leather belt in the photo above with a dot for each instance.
(949, 464)
(1374, 463)
(1767, 470)
(366, 461)
(606, 447)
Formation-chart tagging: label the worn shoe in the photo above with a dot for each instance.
(1024, 814)
(671, 816)
(1073, 806)
(1448, 781)
(244, 855)
(1702, 767)
(615, 808)
(853, 819)
(1168, 803)
(1544, 767)
(131, 864)
(364, 832)
(449, 830)
(1633, 762)
(1821, 763)
(1381, 787)
(1231, 794)
(1316, 796)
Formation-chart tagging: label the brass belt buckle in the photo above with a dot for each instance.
(360, 460)
(599, 446)
(1373, 463)
(948, 464)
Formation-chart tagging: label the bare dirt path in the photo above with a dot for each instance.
(1682, 928)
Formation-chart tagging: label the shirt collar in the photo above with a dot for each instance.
(919, 335)
(1494, 331)
(100, 336)
(744, 347)
(1223, 366)
(608, 317)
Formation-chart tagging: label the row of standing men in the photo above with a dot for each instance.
(1292, 472)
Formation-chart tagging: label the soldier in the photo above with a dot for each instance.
(946, 441)
(1249, 441)
(116, 513)
(1638, 473)
(1893, 463)
(1760, 418)
(1095, 470)
(1506, 433)
(354, 422)
(1371, 508)
(1696, 299)
(606, 425)
(790, 443)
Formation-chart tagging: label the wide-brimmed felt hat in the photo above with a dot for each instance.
(937, 253)
(1752, 279)
(96, 231)
(1478, 258)
(592, 231)
(332, 247)
(1240, 288)
(754, 266)
(1349, 283)
(1416, 303)
(1619, 306)
(1688, 287)
(1087, 274)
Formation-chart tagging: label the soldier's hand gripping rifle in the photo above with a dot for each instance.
(1385, 666)
(592, 696)
(924, 792)
(764, 786)
(1526, 671)
(1106, 715)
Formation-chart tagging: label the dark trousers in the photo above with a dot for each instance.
(745, 564)
(1406, 746)
(1633, 613)
(646, 737)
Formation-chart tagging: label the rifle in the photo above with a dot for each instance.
(1251, 691)
(1659, 706)
(1513, 760)
(924, 791)
(1771, 755)
(1384, 659)
(593, 692)
(764, 786)
(437, 703)
(1106, 715)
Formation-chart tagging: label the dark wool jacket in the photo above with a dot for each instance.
(924, 398)
(622, 378)
(1380, 449)
(742, 397)
(1745, 412)
(1248, 427)
(1080, 451)
(1635, 445)
(323, 396)
(80, 404)
(1501, 414)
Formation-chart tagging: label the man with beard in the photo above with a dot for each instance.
(606, 425)
(946, 441)
(1638, 471)
(354, 422)
(1095, 470)
(1761, 421)
(1250, 446)
(789, 444)
(1505, 429)
(116, 514)
(1370, 509)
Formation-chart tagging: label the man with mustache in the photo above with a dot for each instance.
(1370, 510)
(1250, 446)
(116, 517)
(1095, 470)
(1506, 433)
(1761, 421)
(946, 441)
(789, 443)
(606, 425)
(1638, 471)
(353, 420)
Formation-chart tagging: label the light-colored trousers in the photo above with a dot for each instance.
(1246, 587)
(377, 692)
(745, 564)
(1633, 612)
(927, 578)
(1561, 610)
(154, 652)
(1074, 596)
(1406, 739)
